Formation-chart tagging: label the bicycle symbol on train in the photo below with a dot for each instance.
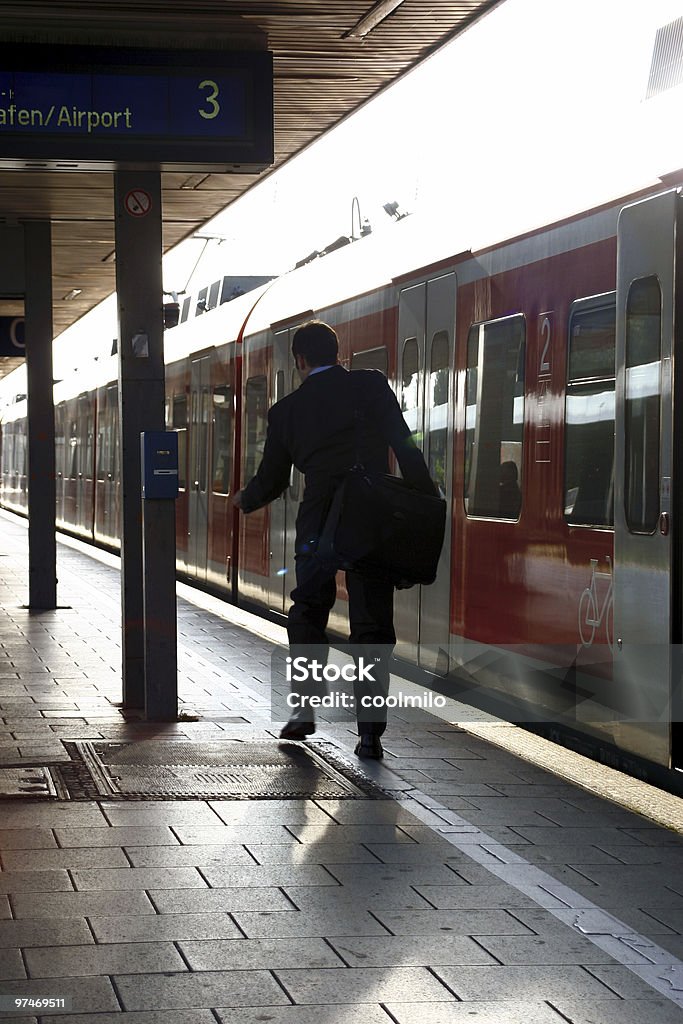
(593, 611)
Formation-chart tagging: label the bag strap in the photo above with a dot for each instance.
(325, 546)
(357, 418)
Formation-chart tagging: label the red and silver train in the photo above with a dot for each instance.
(555, 351)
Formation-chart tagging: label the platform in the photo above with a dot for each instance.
(461, 881)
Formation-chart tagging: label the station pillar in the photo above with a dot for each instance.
(149, 656)
(42, 543)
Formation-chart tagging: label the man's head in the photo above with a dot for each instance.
(314, 344)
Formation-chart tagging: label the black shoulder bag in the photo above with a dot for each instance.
(379, 526)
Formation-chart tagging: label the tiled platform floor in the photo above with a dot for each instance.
(488, 890)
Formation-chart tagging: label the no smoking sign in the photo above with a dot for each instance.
(137, 203)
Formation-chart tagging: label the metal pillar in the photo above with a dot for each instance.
(42, 545)
(147, 571)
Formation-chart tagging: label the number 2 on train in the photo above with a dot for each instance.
(544, 364)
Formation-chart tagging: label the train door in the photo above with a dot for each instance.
(284, 509)
(646, 573)
(198, 482)
(425, 388)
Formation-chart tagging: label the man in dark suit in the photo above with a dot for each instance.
(334, 420)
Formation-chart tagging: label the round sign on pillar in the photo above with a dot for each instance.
(137, 202)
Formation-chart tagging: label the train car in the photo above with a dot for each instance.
(538, 374)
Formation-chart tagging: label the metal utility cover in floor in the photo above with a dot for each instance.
(26, 782)
(223, 769)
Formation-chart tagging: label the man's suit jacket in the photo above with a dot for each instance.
(316, 429)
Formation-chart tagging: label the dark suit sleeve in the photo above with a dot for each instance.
(272, 476)
(388, 416)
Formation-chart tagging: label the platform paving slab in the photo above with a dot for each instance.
(80, 904)
(45, 932)
(503, 1012)
(161, 927)
(528, 982)
(199, 989)
(88, 995)
(363, 985)
(304, 1015)
(135, 1017)
(258, 954)
(602, 1011)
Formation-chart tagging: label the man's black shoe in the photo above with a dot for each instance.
(296, 729)
(369, 745)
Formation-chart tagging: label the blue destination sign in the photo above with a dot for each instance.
(12, 336)
(103, 109)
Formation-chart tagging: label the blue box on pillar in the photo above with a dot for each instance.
(159, 449)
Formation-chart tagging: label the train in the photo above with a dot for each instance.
(540, 375)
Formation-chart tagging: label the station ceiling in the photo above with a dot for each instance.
(329, 58)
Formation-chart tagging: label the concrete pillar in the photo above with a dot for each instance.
(148, 609)
(42, 545)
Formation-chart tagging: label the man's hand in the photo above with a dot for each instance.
(237, 499)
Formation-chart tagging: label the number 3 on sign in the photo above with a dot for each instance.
(211, 100)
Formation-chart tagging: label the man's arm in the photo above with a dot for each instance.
(272, 476)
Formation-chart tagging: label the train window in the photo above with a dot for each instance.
(494, 429)
(201, 302)
(107, 430)
(642, 405)
(256, 421)
(589, 415)
(371, 359)
(437, 384)
(410, 375)
(212, 300)
(222, 439)
(180, 427)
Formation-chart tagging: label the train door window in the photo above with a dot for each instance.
(494, 430)
(200, 428)
(589, 414)
(222, 439)
(180, 426)
(410, 397)
(371, 359)
(73, 448)
(256, 420)
(295, 479)
(85, 429)
(437, 397)
(21, 442)
(59, 439)
(642, 405)
(108, 421)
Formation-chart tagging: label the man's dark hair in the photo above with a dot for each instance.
(317, 343)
